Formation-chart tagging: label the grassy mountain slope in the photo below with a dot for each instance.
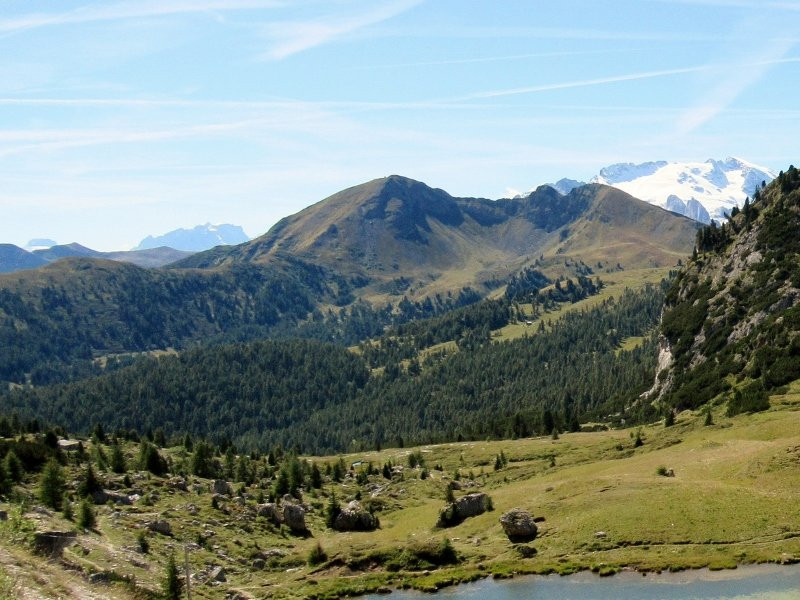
(731, 325)
(397, 227)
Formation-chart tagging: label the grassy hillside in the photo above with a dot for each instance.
(733, 499)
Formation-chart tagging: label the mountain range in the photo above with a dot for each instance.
(391, 241)
(153, 251)
(197, 239)
(699, 190)
(13, 258)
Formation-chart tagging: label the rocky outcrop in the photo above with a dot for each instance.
(354, 518)
(160, 526)
(463, 508)
(519, 525)
(52, 543)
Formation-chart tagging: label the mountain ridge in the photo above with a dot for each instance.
(396, 226)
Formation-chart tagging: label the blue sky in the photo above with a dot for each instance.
(122, 119)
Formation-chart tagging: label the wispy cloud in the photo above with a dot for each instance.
(489, 59)
(288, 38)
(759, 65)
(732, 82)
(130, 10)
(583, 83)
(761, 5)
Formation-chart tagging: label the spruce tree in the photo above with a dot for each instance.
(86, 518)
(172, 584)
(13, 467)
(5, 483)
(332, 511)
(89, 484)
(51, 485)
(118, 463)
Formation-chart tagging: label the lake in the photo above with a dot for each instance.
(761, 582)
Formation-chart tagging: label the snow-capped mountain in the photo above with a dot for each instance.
(699, 190)
(564, 186)
(197, 239)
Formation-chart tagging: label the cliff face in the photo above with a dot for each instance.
(732, 317)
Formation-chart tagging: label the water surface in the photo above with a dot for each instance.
(770, 582)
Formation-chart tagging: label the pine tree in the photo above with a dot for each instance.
(118, 463)
(5, 483)
(203, 460)
(316, 477)
(13, 467)
(89, 484)
(51, 485)
(332, 511)
(172, 586)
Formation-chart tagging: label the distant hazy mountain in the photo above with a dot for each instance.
(197, 239)
(14, 258)
(699, 190)
(40, 244)
(66, 251)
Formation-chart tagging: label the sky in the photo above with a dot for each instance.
(120, 119)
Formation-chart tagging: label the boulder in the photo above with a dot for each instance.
(52, 543)
(104, 496)
(525, 551)
(269, 511)
(272, 553)
(101, 577)
(519, 525)
(222, 487)
(178, 483)
(295, 518)
(472, 505)
(354, 518)
(259, 563)
(160, 526)
(218, 574)
(463, 508)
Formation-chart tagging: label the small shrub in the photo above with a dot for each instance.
(316, 555)
(662, 470)
(142, 542)
(66, 510)
(86, 518)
